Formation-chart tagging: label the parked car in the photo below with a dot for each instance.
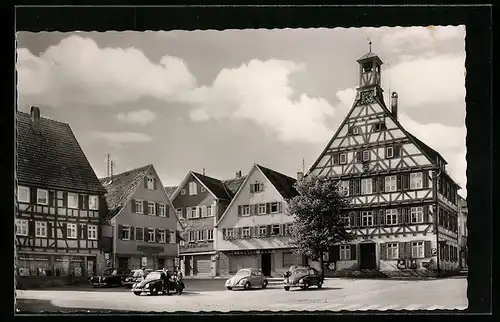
(156, 282)
(247, 278)
(135, 276)
(110, 277)
(302, 277)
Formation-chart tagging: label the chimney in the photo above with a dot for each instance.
(394, 104)
(238, 174)
(300, 176)
(35, 119)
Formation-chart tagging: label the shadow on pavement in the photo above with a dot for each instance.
(45, 306)
(312, 288)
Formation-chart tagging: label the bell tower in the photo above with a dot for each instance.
(370, 75)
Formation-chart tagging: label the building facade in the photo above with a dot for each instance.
(463, 232)
(200, 200)
(142, 224)
(59, 204)
(404, 204)
(254, 229)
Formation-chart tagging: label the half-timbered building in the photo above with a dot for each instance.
(142, 223)
(254, 231)
(59, 204)
(403, 201)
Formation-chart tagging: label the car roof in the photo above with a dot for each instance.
(250, 269)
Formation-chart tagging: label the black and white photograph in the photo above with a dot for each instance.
(292, 169)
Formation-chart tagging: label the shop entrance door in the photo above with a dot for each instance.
(266, 264)
(91, 267)
(123, 263)
(161, 263)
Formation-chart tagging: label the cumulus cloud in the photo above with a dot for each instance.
(260, 91)
(119, 139)
(77, 70)
(141, 117)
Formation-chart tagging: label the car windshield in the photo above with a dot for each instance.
(243, 272)
(137, 274)
(107, 271)
(153, 276)
(300, 271)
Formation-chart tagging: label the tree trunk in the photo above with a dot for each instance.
(321, 270)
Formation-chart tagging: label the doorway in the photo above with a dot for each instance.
(161, 263)
(123, 263)
(266, 264)
(91, 267)
(367, 256)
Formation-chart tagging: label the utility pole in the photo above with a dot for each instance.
(303, 165)
(107, 166)
(112, 165)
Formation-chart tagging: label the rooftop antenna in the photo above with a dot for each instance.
(370, 43)
(203, 171)
(112, 165)
(303, 165)
(107, 168)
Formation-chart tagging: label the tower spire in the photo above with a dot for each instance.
(370, 44)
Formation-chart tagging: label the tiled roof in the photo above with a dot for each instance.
(215, 186)
(283, 183)
(427, 149)
(53, 157)
(234, 184)
(170, 190)
(122, 186)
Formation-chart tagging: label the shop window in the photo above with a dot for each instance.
(33, 265)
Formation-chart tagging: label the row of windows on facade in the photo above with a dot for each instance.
(196, 212)
(201, 235)
(416, 249)
(46, 198)
(193, 189)
(44, 229)
(374, 127)
(147, 234)
(260, 209)
(145, 207)
(365, 155)
(447, 220)
(446, 189)
(391, 183)
(257, 231)
(393, 216)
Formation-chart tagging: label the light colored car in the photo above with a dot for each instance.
(247, 278)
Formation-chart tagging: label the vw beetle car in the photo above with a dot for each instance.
(153, 284)
(302, 277)
(109, 277)
(247, 278)
(135, 276)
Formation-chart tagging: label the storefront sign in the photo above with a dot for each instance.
(62, 258)
(150, 249)
(194, 247)
(144, 261)
(33, 258)
(76, 259)
(176, 262)
(106, 255)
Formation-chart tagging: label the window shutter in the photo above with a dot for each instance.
(334, 253)
(268, 208)
(268, 230)
(408, 249)
(49, 229)
(402, 250)
(157, 235)
(336, 159)
(383, 251)
(33, 195)
(240, 232)
(239, 210)
(359, 156)
(224, 233)
(65, 230)
(261, 187)
(397, 151)
(406, 181)
(154, 183)
(381, 184)
(132, 233)
(65, 199)
(398, 182)
(31, 228)
(374, 185)
(132, 203)
(51, 198)
(282, 230)
(400, 216)
(426, 213)
(145, 208)
(78, 231)
(349, 130)
(120, 231)
(80, 202)
(256, 206)
(351, 187)
(427, 249)
(280, 206)
(252, 209)
(358, 218)
(425, 179)
(406, 216)
(167, 210)
(353, 251)
(381, 217)
(137, 233)
(145, 181)
(157, 209)
(167, 236)
(351, 219)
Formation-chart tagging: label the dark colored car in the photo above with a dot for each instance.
(302, 277)
(135, 276)
(157, 282)
(110, 277)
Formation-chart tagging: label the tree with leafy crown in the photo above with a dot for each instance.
(317, 211)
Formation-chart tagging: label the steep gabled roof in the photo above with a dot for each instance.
(215, 186)
(121, 187)
(170, 190)
(283, 183)
(53, 157)
(431, 152)
(234, 184)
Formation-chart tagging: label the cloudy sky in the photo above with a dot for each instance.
(223, 100)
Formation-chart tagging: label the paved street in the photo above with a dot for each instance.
(336, 295)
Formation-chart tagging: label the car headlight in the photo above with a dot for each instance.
(146, 286)
(104, 279)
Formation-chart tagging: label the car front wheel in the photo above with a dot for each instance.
(264, 285)
(247, 286)
(320, 285)
(229, 288)
(137, 293)
(287, 288)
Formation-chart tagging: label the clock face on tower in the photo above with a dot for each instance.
(367, 97)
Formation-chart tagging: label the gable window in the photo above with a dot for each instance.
(392, 251)
(23, 194)
(189, 213)
(262, 209)
(204, 211)
(72, 200)
(390, 183)
(183, 192)
(42, 197)
(92, 232)
(256, 187)
(366, 186)
(416, 181)
(343, 158)
(162, 235)
(417, 215)
(209, 211)
(389, 152)
(262, 231)
(366, 155)
(179, 212)
(355, 130)
(417, 249)
(391, 216)
(376, 127)
(245, 210)
(345, 252)
(229, 233)
(192, 235)
(195, 211)
(71, 231)
(138, 207)
(172, 237)
(275, 208)
(367, 218)
(21, 227)
(246, 232)
(192, 188)
(93, 203)
(210, 234)
(275, 230)
(344, 187)
(203, 189)
(40, 229)
(150, 183)
(125, 232)
(151, 208)
(162, 209)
